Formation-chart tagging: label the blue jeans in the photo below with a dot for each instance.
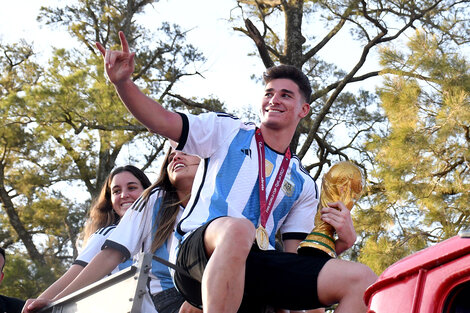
(168, 301)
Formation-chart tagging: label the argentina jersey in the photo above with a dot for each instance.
(93, 247)
(135, 233)
(227, 183)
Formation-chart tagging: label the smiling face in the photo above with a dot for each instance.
(181, 169)
(283, 105)
(125, 189)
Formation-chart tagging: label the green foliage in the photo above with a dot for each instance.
(421, 170)
(379, 253)
(297, 32)
(64, 128)
(24, 279)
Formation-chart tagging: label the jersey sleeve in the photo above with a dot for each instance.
(134, 231)
(203, 134)
(93, 246)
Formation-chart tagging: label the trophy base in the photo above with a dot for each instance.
(318, 243)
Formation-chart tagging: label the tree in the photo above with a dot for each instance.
(70, 137)
(20, 186)
(371, 24)
(64, 128)
(421, 177)
(342, 121)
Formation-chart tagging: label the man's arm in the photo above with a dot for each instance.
(119, 66)
(291, 245)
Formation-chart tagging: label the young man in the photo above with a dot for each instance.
(225, 213)
(8, 304)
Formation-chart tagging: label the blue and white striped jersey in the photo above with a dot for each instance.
(135, 233)
(226, 183)
(93, 247)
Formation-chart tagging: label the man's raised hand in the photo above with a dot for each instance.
(119, 65)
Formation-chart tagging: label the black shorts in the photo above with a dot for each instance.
(279, 279)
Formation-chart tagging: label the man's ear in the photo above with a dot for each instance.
(1, 277)
(304, 109)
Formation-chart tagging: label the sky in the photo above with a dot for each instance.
(225, 50)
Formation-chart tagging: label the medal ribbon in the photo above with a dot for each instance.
(266, 206)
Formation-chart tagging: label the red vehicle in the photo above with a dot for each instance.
(436, 279)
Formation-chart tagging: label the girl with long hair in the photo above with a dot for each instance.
(149, 226)
(107, 209)
(122, 188)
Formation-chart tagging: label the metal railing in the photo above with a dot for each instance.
(121, 292)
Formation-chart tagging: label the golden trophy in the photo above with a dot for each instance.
(343, 182)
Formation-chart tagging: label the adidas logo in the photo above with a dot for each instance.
(246, 152)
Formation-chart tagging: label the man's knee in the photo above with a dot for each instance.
(362, 276)
(231, 231)
(357, 276)
(351, 277)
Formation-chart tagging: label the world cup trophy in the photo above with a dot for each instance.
(343, 182)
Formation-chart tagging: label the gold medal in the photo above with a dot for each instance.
(262, 238)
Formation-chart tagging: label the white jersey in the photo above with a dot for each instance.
(93, 247)
(226, 183)
(135, 233)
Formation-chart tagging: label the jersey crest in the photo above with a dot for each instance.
(288, 187)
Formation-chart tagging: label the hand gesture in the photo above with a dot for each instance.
(119, 65)
(338, 216)
(34, 305)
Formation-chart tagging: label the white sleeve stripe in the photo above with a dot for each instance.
(105, 230)
(222, 114)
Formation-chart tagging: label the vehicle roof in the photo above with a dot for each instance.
(430, 257)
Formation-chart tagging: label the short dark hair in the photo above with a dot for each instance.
(293, 73)
(2, 252)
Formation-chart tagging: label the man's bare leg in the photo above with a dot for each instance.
(228, 241)
(345, 282)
